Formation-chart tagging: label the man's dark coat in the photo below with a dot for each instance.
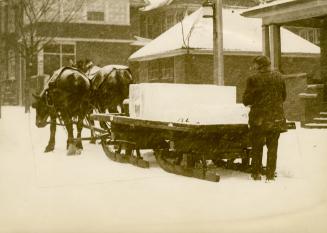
(265, 93)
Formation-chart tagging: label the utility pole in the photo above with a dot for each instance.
(218, 47)
(213, 9)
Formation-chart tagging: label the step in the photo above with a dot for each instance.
(315, 126)
(323, 113)
(315, 86)
(308, 95)
(320, 120)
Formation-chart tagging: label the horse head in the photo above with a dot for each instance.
(42, 108)
(125, 79)
(81, 66)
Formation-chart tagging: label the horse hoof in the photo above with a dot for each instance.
(71, 149)
(78, 151)
(48, 149)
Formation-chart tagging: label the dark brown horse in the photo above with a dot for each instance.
(67, 98)
(110, 87)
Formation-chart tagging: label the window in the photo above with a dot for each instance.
(167, 69)
(161, 70)
(108, 11)
(169, 21)
(154, 71)
(311, 34)
(57, 55)
(95, 10)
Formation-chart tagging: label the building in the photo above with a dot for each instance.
(183, 54)
(101, 30)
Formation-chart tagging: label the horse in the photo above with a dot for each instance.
(110, 87)
(66, 97)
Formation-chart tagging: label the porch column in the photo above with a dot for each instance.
(265, 41)
(323, 55)
(275, 46)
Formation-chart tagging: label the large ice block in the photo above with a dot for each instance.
(186, 102)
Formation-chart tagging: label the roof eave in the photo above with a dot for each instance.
(256, 12)
(198, 51)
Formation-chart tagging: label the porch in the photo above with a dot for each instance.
(307, 14)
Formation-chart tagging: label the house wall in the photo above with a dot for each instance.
(103, 53)
(180, 69)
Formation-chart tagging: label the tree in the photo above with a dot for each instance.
(30, 15)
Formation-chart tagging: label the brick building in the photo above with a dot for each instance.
(101, 30)
(161, 15)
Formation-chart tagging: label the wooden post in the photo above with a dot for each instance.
(323, 56)
(265, 41)
(275, 47)
(218, 48)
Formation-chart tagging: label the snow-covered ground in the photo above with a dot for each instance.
(42, 193)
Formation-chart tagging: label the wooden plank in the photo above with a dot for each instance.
(172, 126)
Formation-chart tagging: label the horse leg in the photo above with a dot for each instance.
(103, 124)
(71, 147)
(79, 133)
(52, 140)
(91, 124)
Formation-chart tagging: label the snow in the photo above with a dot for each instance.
(271, 4)
(154, 4)
(308, 95)
(240, 34)
(140, 41)
(45, 193)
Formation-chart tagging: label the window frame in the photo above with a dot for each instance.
(106, 5)
(159, 68)
(60, 53)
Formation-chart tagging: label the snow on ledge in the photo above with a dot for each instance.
(154, 4)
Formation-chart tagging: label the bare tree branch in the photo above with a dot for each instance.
(35, 12)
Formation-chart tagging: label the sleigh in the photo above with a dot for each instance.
(187, 138)
(180, 148)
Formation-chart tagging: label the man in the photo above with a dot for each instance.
(265, 93)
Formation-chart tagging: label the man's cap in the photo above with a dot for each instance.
(262, 61)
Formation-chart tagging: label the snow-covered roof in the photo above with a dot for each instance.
(154, 4)
(241, 34)
(271, 4)
(140, 41)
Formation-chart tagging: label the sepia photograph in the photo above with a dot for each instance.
(163, 116)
